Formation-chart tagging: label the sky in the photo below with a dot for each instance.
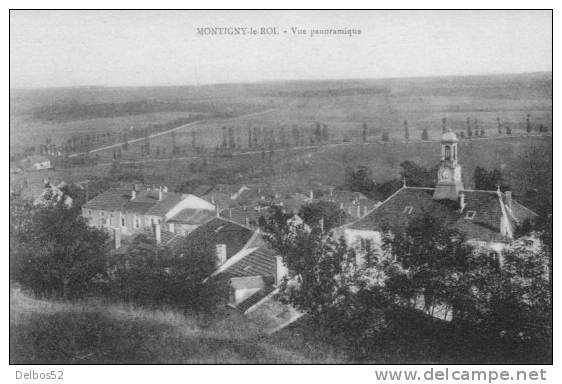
(150, 48)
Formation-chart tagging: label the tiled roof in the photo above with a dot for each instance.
(520, 212)
(192, 216)
(145, 202)
(222, 231)
(113, 199)
(260, 262)
(485, 225)
(255, 298)
(342, 196)
(239, 215)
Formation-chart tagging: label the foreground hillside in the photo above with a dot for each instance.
(47, 332)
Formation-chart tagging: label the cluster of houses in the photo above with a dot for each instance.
(224, 217)
(227, 219)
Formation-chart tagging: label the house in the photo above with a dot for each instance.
(486, 218)
(134, 211)
(37, 162)
(53, 194)
(251, 268)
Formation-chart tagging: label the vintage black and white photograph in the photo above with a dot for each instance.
(280, 187)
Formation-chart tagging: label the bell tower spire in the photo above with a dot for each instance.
(449, 177)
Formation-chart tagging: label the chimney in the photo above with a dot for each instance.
(341, 205)
(221, 253)
(311, 195)
(171, 227)
(133, 194)
(165, 189)
(230, 212)
(159, 194)
(158, 233)
(218, 210)
(462, 204)
(280, 270)
(508, 199)
(117, 238)
(358, 211)
(322, 225)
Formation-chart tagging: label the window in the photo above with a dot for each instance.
(495, 260)
(408, 210)
(365, 244)
(447, 152)
(470, 215)
(137, 222)
(122, 221)
(90, 212)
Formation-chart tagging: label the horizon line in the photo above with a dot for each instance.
(288, 80)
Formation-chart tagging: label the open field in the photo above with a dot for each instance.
(343, 106)
(92, 332)
(526, 162)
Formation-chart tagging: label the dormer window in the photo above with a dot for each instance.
(408, 210)
(470, 215)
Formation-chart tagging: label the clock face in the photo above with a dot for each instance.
(445, 174)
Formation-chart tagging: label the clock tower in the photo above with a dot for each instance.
(449, 180)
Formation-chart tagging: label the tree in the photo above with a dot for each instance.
(425, 135)
(323, 280)
(55, 252)
(322, 213)
(359, 180)
(489, 180)
(125, 141)
(224, 144)
(325, 133)
(155, 275)
(406, 131)
(193, 139)
(416, 175)
(385, 136)
(318, 132)
(231, 140)
(427, 255)
(500, 303)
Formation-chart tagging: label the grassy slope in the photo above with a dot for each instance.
(48, 332)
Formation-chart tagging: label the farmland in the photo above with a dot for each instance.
(216, 140)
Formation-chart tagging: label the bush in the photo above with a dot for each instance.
(156, 276)
(53, 251)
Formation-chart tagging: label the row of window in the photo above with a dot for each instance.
(123, 219)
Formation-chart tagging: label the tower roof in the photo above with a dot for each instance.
(449, 137)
